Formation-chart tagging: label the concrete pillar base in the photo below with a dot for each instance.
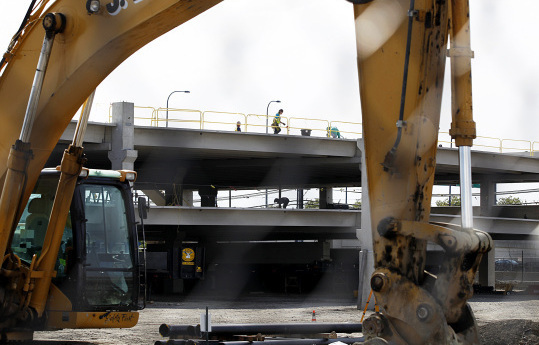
(486, 273)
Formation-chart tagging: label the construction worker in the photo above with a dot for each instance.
(333, 132)
(276, 125)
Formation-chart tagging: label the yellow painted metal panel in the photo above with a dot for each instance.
(66, 319)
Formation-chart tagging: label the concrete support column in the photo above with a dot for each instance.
(488, 196)
(187, 197)
(208, 196)
(326, 197)
(365, 237)
(300, 199)
(486, 271)
(122, 154)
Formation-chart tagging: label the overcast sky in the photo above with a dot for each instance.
(241, 54)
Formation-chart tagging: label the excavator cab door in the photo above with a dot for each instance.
(108, 266)
(97, 266)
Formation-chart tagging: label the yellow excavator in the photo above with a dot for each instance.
(47, 279)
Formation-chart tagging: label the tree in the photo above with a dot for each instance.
(455, 201)
(312, 203)
(509, 200)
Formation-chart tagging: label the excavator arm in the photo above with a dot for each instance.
(81, 43)
(402, 49)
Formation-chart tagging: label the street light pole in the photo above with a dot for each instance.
(169, 98)
(267, 109)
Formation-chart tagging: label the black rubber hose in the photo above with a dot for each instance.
(388, 162)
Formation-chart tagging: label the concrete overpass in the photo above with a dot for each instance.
(249, 224)
(183, 161)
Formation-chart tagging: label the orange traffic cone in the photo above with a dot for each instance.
(314, 316)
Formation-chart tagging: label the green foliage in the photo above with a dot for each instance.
(509, 200)
(455, 201)
(357, 204)
(312, 203)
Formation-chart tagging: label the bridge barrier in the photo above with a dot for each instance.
(350, 130)
(256, 123)
(296, 124)
(516, 145)
(179, 118)
(220, 120)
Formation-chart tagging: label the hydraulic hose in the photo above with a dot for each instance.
(388, 161)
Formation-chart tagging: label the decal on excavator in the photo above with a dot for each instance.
(114, 7)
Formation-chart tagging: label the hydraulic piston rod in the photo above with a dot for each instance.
(465, 164)
(21, 153)
(53, 23)
(463, 126)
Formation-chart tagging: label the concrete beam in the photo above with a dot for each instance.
(236, 217)
(242, 144)
(493, 163)
(96, 133)
(155, 196)
(519, 228)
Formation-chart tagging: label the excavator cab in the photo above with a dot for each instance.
(97, 267)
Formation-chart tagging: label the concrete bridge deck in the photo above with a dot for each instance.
(248, 224)
(179, 161)
(246, 160)
(164, 157)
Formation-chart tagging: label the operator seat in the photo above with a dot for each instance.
(37, 220)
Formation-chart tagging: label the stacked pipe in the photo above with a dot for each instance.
(295, 329)
(281, 341)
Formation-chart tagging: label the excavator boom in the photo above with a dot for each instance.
(90, 47)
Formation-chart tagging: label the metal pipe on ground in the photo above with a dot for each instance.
(295, 341)
(281, 341)
(266, 329)
(192, 342)
(291, 328)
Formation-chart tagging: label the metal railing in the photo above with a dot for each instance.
(221, 123)
(353, 128)
(189, 118)
(525, 145)
(256, 123)
(314, 125)
(483, 143)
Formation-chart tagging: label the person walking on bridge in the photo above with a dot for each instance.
(276, 125)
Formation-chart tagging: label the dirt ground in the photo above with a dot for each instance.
(502, 319)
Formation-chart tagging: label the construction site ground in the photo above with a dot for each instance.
(511, 319)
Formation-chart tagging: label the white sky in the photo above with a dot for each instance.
(241, 54)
